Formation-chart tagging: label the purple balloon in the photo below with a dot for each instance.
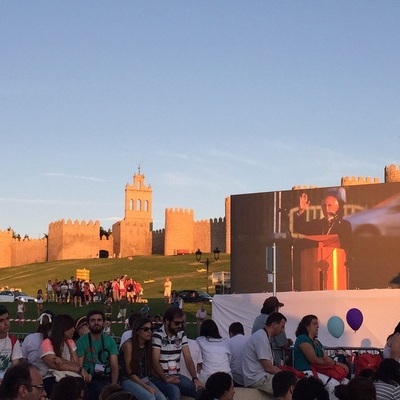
(354, 318)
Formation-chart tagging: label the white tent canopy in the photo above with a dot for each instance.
(380, 309)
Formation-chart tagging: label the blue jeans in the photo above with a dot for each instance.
(174, 392)
(140, 392)
(95, 387)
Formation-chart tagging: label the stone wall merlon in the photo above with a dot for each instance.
(180, 210)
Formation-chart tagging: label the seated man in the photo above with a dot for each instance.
(258, 362)
(237, 343)
(98, 355)
(10, 348)
(170, 345)
(279, 342)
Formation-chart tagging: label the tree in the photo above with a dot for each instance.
(105, 233)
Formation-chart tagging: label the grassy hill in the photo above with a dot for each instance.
(184, 271)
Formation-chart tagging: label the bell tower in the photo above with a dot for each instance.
(133, 235)
(138, 201)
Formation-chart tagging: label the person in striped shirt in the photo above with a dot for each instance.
(170, 349)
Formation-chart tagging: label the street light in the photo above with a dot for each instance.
(207, 262)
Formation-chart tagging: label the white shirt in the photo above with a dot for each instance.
(196, 356)
(125, 336)
(8, 354)
(216, 356)
(201, 314)
(257, 348)
(31, 351)
(237, 344)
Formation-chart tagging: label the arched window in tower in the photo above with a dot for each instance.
(131, 204)
(138, 205)
(146, 205)
(139, 185)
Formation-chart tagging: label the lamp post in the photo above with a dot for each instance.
(207, 262)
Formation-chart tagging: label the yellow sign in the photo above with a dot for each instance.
(83, 274)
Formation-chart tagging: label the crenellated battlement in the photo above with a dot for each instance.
(105, 238)
(359, 180)
(28, 239)
(74, 223)
(180, 211)
(202, 221)
(303, 187)
(219, 220)
(392, 173)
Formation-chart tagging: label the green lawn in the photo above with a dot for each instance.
(184, 271)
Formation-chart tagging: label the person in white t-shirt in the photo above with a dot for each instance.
(237, 342)
(31, 345)
(214, 351)
(258, 361)
(10, 348)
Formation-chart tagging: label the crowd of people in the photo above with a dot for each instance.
(156, 361)
(79, 292)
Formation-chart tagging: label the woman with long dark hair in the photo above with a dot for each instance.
(392, 346)
(31, 345)
(215, 351)
(136, 351)
(59, 352)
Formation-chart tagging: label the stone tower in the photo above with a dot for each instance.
(133, 235)
(138, 200)
(392, 173)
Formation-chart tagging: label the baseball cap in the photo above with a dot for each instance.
(272, 302)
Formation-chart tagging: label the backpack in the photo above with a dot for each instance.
(366, 362)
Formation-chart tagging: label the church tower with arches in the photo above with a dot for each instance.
(133, 235)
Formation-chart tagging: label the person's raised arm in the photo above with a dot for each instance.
(304, 203)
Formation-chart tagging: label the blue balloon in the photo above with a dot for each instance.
(336, 326)
(354, 318)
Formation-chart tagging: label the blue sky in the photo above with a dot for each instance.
(210, 97)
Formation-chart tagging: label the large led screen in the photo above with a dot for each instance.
(325, 238)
